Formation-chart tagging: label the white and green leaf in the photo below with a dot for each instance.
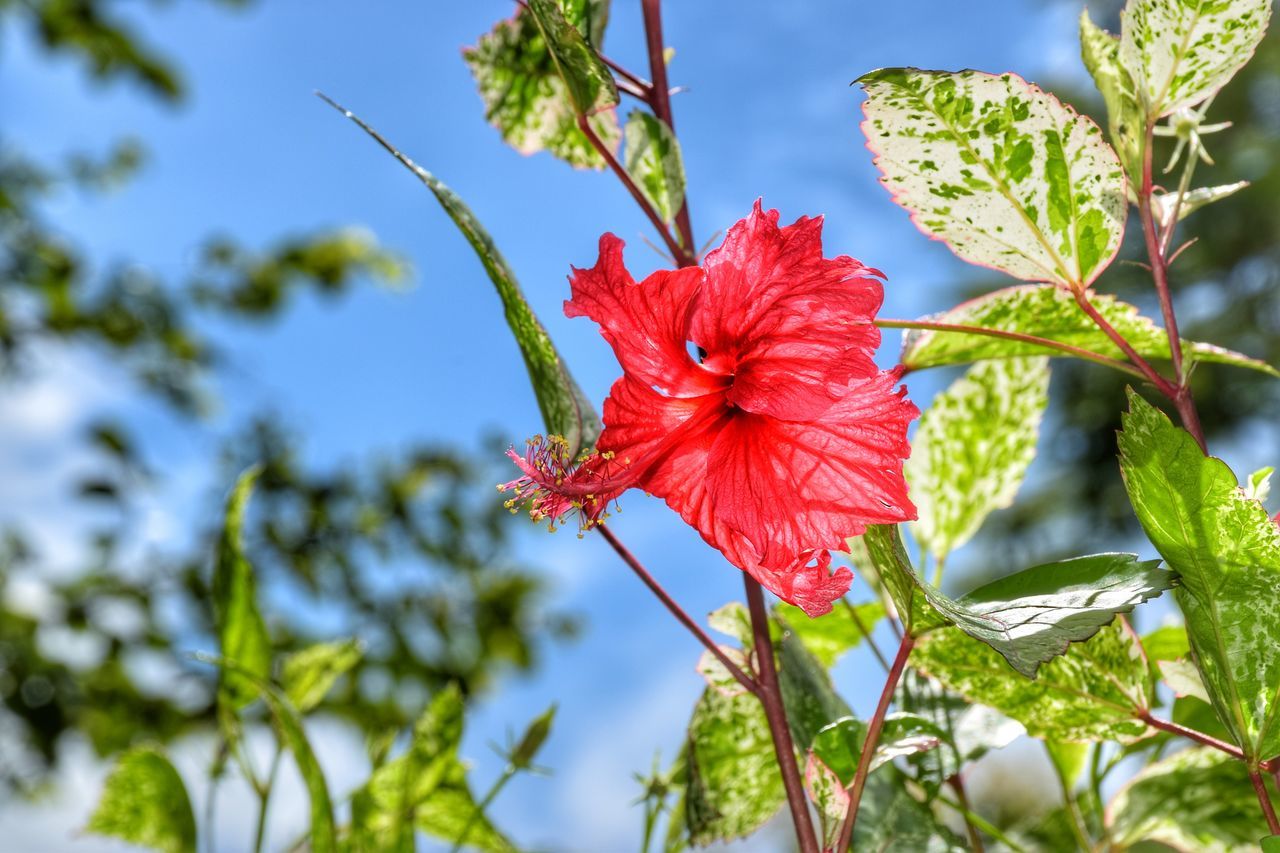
(1227, 551)
(527, 98)
(1179, 52)
(973, 447)
(1198, 799)
(1126, 120)
(1163, 204)
(1048, 312)
(1002, 172)
(652, 159)
(1095, 691)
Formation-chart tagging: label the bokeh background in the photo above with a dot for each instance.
(203, 266)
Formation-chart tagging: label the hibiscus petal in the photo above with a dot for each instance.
(647, 324)
(808, 583)
(797, 326)
(791, 488)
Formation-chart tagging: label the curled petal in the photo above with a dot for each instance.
(808, 583)
(646, 323)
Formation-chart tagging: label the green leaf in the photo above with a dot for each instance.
(589, 80)
(1227, 551)
(828, 637)
(1162, 205)
(1271, 844)
(1198, 799)
(891, 820)
(653, 161)
(1048, 312)
(1092, 692)
(385, 810)
(973, 447)
(1068, 760)
(524, 94)
(1003, 173)
(145, 803)
(242, 634)
(565, 409)
(309, 674)
(530, 743)
(1126, 122)
(1030, 616)
(810, 699)
(733, 783)
(1180, 52)
(451, 810)
(1167, 643)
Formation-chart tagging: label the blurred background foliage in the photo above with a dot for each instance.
(407, 547)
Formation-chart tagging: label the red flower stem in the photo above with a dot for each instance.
(1144, 366)
(682, 256)
(874, 728)
(644, 87)
(1264, 800)
(1191, 734)
(770, 695)
(1047, 343)
(677, 611)
(661, 103)
(1180, 394)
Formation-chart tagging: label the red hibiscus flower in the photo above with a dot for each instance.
(780, 443)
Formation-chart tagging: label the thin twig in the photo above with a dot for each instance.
(1047, 343)
(874, 728)
(661, 102)
(677, 611)
(866, 634)
(680, 253)
(638, 82)
(770, 695)
(1191, 734)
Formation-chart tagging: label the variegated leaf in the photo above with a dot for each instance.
(1093, 692)
(1180, 52)
(1002, 172)
(1162, 205)
(652, 158)
(1227, 551)
(1126, 121)
(973, 446)
(1048, 312)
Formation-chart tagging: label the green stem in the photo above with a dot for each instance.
(264, 800)
(1078, 827)
(874, 727)
(975, 838)
(974, 819)
(507, 773)
(866, 634)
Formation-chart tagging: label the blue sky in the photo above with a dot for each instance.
(768, 112)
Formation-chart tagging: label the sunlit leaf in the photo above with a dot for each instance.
(734, 786)
(1126, 121)
(1258, 486)
(1198, 799)
(145, 802)
(1180, 52)
(1164, 203)
(1028, 617)
(309, 674)
(451, 811)
(242, 634)
(829, 636)
(653, 160)
(1227, 551)
(565, 410)
(588, 79)
(1048, 312)
(525, 96)
(1092, 692)
(973, 447)
(1003, 173)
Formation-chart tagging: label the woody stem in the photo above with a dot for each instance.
(677, 611)
(770, 695)
(661, 102)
